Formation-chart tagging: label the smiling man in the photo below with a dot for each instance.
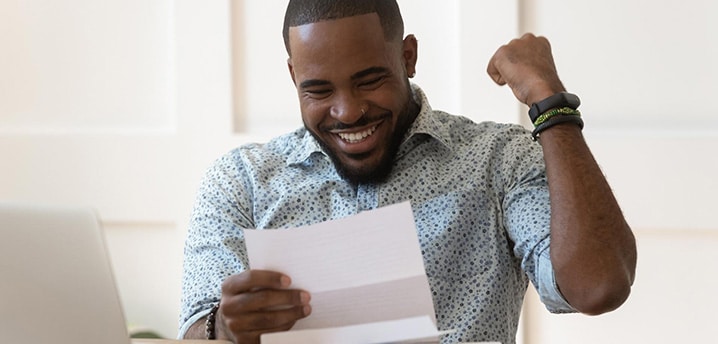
(353, 90)
(494, 209)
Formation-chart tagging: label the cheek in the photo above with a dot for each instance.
(393, 103)
(312, 114)
(392, 96)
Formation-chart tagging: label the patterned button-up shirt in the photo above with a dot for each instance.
(478, 192)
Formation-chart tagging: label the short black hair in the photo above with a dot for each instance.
(300, 12)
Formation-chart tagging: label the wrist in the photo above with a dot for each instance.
(220, 330)
(554, 101)
(558, 109)
(210, 324)
(539, 91)
(537, 97)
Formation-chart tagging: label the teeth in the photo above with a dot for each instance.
(356, 137)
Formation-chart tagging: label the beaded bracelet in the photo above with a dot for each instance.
(556, 120)
(210, 323)
(562, 111)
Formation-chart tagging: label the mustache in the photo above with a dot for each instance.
(359, 123)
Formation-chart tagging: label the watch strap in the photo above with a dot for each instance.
(558, 100)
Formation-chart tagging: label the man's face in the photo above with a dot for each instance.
(353, 91)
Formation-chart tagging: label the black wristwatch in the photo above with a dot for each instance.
(558, 100)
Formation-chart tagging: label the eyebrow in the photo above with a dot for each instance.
(355, 76)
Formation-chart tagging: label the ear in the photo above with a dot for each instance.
(410, 53)
(291, 70)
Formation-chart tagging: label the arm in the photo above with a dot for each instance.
(216, 266)
(593, 250)
(197, 330)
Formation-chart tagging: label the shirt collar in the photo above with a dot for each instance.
(305, 148)
(425, 123)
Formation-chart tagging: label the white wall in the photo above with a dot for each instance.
(644, 71)
(122, 105)
(119, 105)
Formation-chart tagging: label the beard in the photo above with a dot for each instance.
(384, 167)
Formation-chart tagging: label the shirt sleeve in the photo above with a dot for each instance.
(214, 247)
(527, 212)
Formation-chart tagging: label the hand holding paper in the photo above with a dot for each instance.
(362, 269)
(254, 295)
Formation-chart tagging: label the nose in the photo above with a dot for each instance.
(348, 109)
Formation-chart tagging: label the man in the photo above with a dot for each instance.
(493, 208)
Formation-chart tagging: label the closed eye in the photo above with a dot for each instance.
(316, 88)
(371, 78)
(372, 83)
(318, 93)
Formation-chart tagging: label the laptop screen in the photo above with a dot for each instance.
(57, 284)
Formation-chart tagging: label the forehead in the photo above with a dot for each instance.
(350, 41)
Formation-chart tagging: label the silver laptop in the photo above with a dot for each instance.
(56, 283)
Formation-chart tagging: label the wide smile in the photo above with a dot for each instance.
(358, 140)
(359, 136)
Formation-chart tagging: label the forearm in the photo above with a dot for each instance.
(593, 250)
(197, 330)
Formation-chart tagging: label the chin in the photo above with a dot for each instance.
(369, 169)
(365, 173)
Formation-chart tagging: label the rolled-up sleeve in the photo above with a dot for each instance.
(527, 211)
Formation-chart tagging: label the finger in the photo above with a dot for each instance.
(496, 76)
(265, 299)
(540, 40)
(249, 280)
(493, 70)
(528, 36)
(267, 320)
